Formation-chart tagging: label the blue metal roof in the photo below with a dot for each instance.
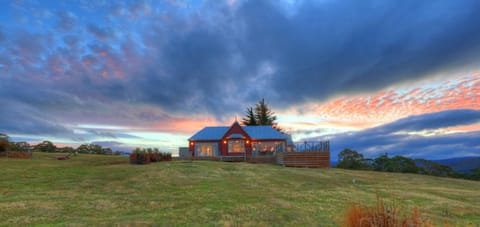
(263, 132)
(210, 133)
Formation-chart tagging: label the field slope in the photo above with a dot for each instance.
(94, 189)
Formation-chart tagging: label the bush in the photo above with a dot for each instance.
(154, 154)
(165, 156)
(145, 156)
(381, 215)
(398, 164)
(351, 159)
(3, 145)
(154, 157)
(19, 146)
(139, 156)
(46, 146)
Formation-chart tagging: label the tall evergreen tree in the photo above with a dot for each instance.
(250, 118)
(261, 115)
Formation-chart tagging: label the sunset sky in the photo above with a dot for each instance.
(401, 77)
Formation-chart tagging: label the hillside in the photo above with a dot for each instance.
(94, 189)
(463, 164)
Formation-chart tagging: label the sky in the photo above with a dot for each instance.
(396, 77)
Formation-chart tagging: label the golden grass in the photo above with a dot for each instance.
(383, 215)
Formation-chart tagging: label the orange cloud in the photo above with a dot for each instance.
(387, 106)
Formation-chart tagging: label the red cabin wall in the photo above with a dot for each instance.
(235, 129)
(191, 147)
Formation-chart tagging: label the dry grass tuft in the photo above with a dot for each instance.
(382, 215)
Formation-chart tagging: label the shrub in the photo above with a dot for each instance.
(351, 159)
(154, 157)
(46, 146)
(164, 156)
(382, 214)
(145, 156)
(3, 145)
(139, 156)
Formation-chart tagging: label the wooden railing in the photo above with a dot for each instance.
(304, 159)
(313, 146)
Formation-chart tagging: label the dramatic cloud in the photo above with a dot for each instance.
(335, 47)
(434, 121)
(305, 51)
(28, 120)
(419, 136)
(175, 66)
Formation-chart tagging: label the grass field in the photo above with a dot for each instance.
(95, 189)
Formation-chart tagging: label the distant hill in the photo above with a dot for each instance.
(463, 164)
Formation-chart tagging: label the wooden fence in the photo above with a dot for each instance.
(304, 159)
(16, 154)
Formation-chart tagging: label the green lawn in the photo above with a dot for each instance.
(95, 189)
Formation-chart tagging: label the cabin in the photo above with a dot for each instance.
(238, 141)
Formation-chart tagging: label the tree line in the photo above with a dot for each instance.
(49, 147)
(351, 159)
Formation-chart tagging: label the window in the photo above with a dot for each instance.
(206, 149)
(236, 146)
(268, 147)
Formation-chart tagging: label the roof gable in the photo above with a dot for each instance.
(236, 136)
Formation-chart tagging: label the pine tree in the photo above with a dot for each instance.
(250, 118)
(261, 115)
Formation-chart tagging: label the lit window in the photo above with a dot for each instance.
(206, 149)
(270, 147)
(236, 146)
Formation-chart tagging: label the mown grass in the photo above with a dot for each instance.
(94, 189)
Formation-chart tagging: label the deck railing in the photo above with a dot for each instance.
(321, 146)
